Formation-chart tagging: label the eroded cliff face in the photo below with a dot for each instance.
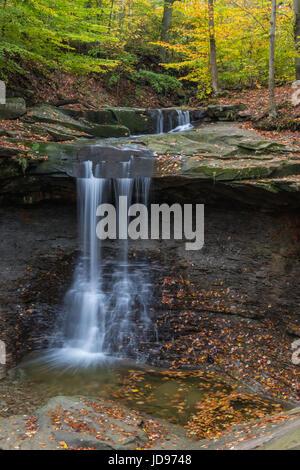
(211, 164)
(231, 307)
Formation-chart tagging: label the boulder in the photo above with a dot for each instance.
(13, 109)
(50, 114)
(74, 423)
(198, 115)
(110, 130)
(224, 112)
(99, 116)
(135, 119)
(57, 132)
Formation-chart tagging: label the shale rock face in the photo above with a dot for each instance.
(217, 162)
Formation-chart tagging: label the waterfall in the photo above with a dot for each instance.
(160, 122)
(107, 314)
(184, 121)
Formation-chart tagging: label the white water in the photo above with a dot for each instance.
(160, 122)
(107, 305)
(184, 122)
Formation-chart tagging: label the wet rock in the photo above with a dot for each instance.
(13, 109)
(72, 423)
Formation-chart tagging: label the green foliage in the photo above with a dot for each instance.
(122, 39)
(161, 83)
(242, 42)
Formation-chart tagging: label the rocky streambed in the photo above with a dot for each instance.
(230, 309)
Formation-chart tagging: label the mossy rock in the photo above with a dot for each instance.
(136, 119)
(50, 114)
(225, 112)
(223, 170)
(13, 109)
(109, 130)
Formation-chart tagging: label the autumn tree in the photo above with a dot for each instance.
(297, 36)
(212, 46)
(272, 100)
(166, 24)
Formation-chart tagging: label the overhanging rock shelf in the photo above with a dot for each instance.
(216, 161)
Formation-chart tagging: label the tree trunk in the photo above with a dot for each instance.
(166, 24)
(272, 101)
(297, 36)
(212, 47)
(110, 14)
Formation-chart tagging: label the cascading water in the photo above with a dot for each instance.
(166, 120)
(160, 122)
(107, 313)
(184, 121)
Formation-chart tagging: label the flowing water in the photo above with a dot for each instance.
(107, 318)
(160, 122)
(107, 307)
(183, 122)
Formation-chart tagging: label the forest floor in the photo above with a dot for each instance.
(286, 126)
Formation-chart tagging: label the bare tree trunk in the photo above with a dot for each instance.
(272, 101)
(297, 36)
(212, 47)
(166, 24)
(110, 14)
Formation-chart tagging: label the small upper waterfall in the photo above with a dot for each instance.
(184, 121)
(107, 307)
(170, 120)
(160, 122)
